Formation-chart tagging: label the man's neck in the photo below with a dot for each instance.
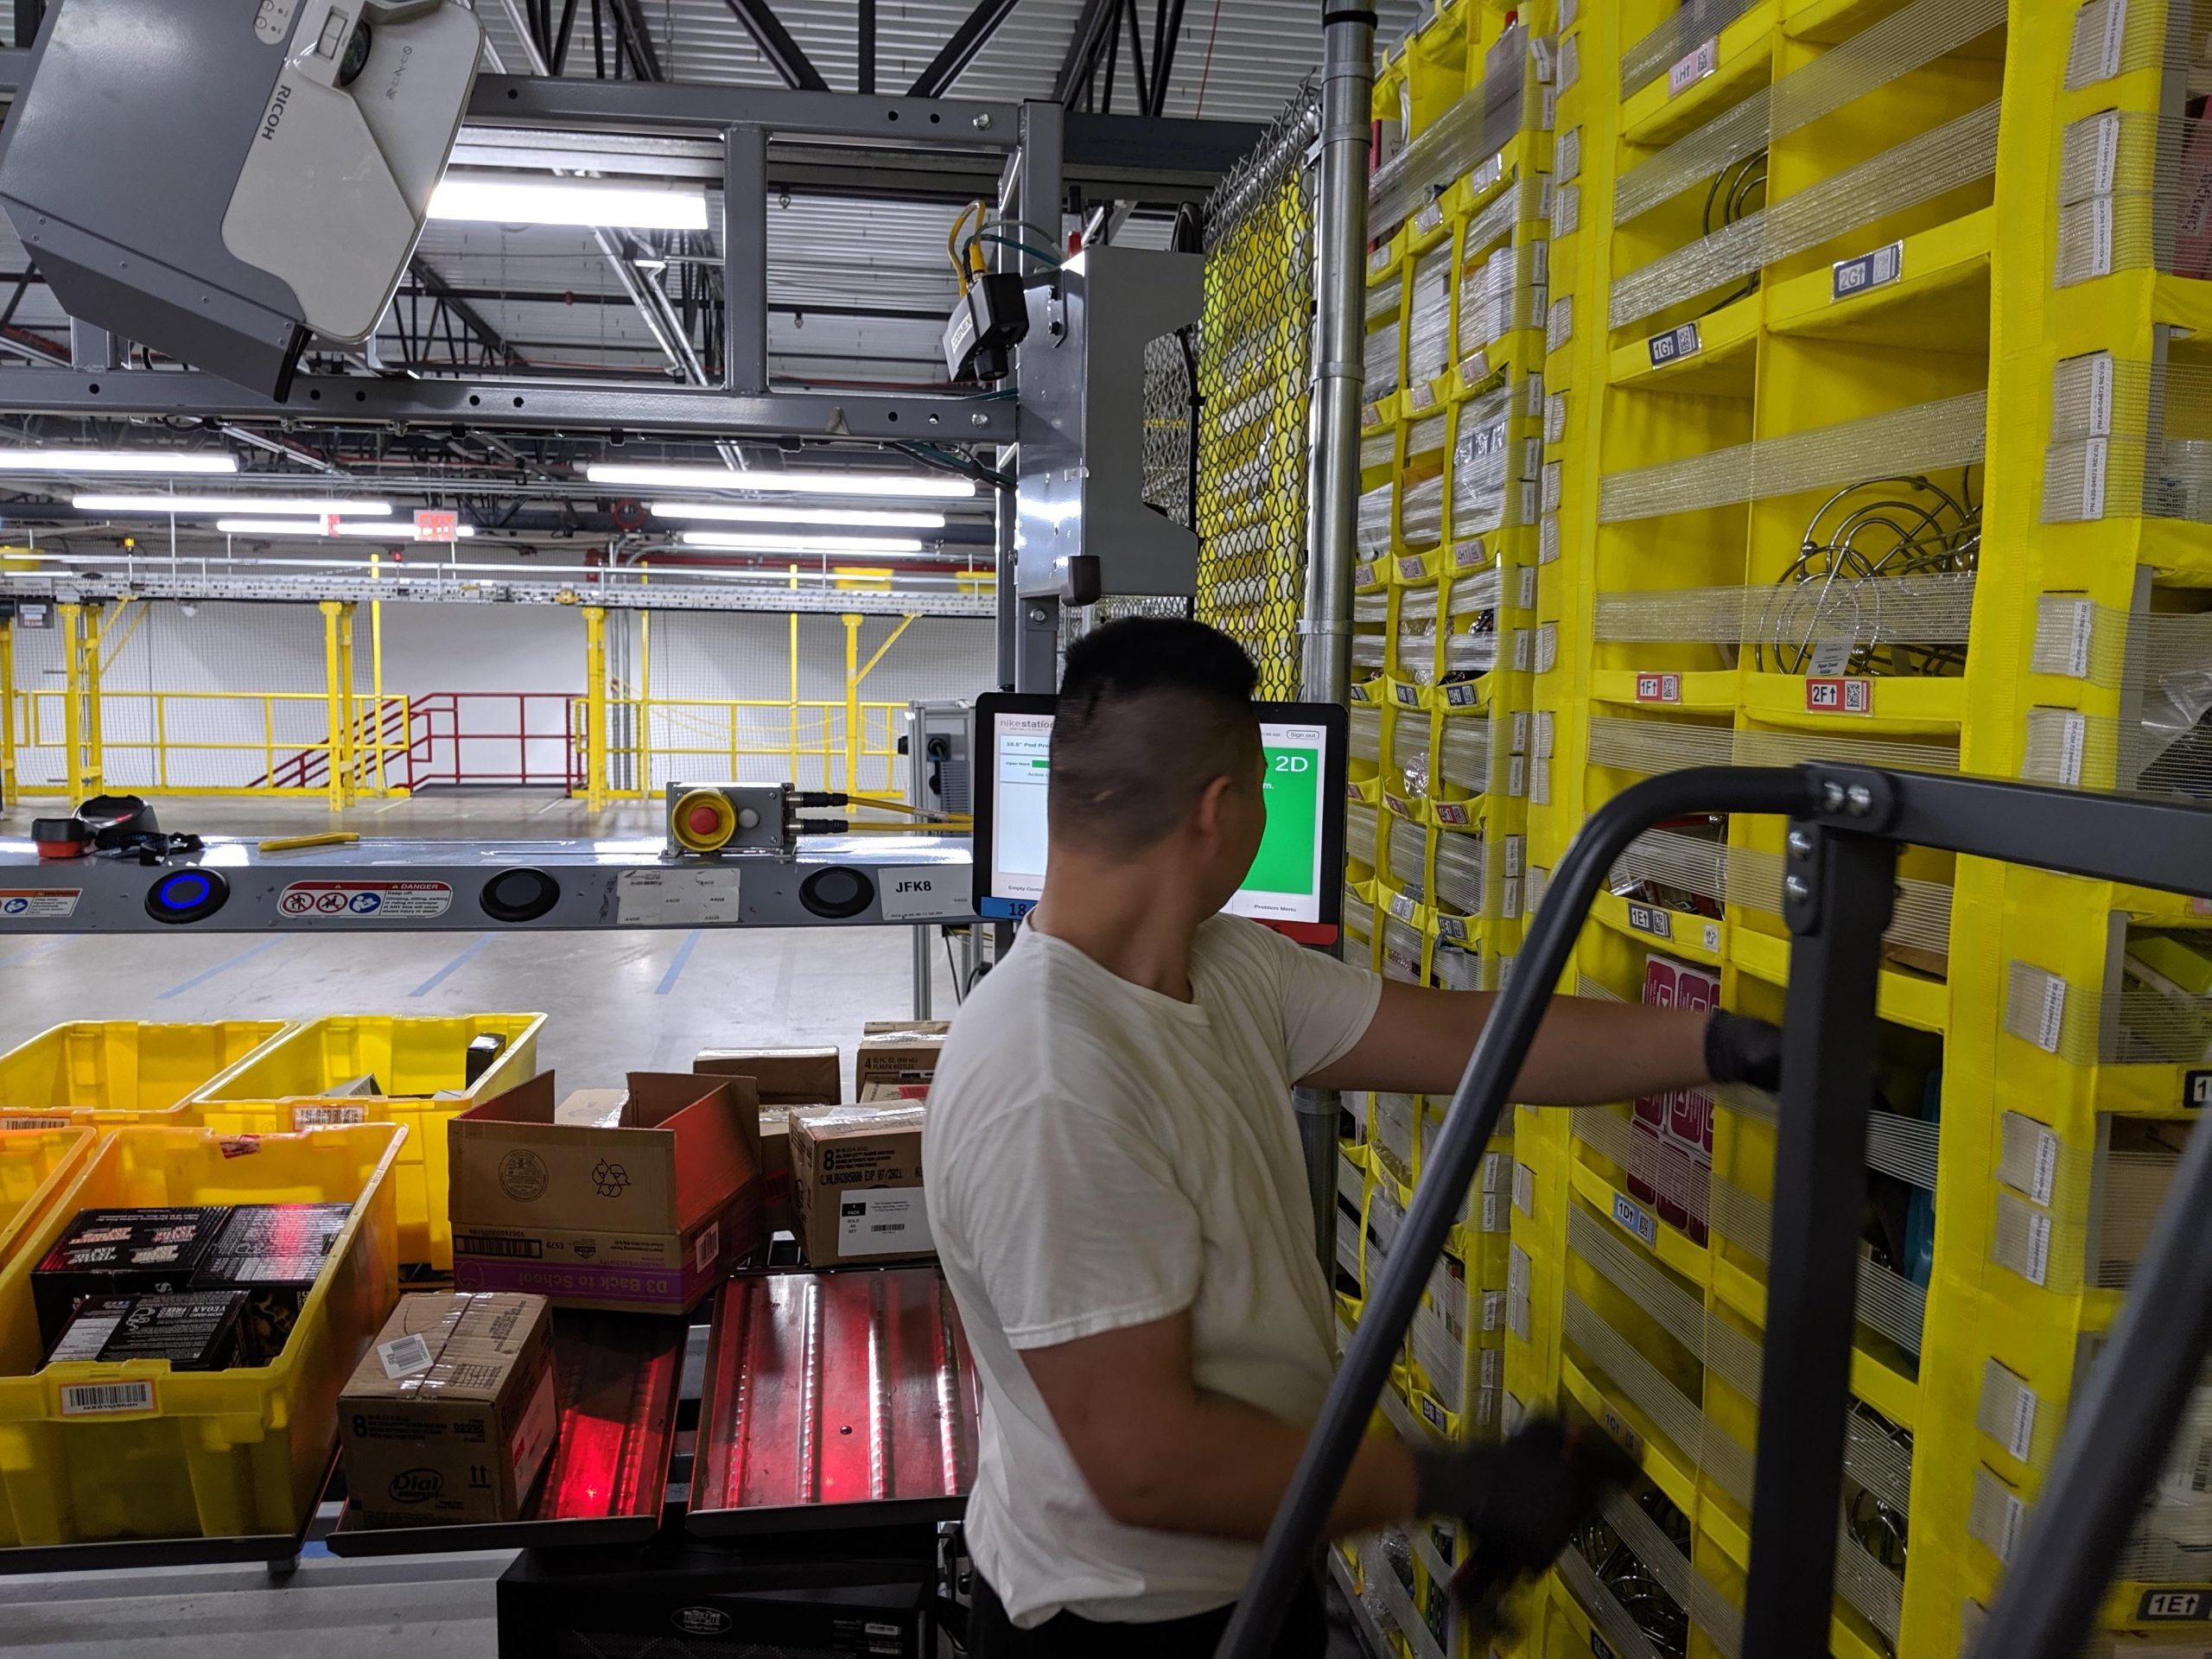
(1124, 918)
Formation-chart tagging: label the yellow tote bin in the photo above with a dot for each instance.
(211, 1454)
(37, 1167)
(122, 1071)
(287, 1086)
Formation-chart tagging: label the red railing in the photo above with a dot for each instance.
(453, 738)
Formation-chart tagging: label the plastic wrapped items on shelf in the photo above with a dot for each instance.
(1402, 950)
(1409, 751)
(1464, 759)
(1428, 330)
(1374, 509)
(1378, 450)
(1504, 292)
(1366, 723)
(1425, 442)
(1359, 916)
(1421, 517)
(1359, 834)
(1381, 359)
(1408, 854)
(1482, 465)
(1458, 967)
(1459, 864)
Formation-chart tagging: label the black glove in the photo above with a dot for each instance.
(1740, 1049)
(1525, 1499)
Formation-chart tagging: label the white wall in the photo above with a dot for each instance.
(428, 649)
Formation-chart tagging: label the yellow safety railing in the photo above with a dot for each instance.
(713, 738)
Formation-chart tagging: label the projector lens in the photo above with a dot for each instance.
(357, 56)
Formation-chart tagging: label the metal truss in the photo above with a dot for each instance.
(408, 588)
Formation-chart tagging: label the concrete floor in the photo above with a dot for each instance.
(617, 1002)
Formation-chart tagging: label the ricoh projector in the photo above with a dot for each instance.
(225, 180)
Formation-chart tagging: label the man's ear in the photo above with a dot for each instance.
(1207, 817)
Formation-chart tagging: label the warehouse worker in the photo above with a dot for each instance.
(1119, 1196)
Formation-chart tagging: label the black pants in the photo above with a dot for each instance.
(991, 1634)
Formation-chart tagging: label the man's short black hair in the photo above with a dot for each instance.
(1152, 710)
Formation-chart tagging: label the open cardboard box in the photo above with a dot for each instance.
(640, 1204)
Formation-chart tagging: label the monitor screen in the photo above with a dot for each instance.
(1296, 879)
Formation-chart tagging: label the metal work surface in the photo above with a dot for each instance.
(834, 1400)
(620, 1380)
(402, 886)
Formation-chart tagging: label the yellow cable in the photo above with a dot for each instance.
(952, 251)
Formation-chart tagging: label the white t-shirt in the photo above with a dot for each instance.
(1101, 1155)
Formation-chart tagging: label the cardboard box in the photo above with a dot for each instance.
(120, 1253)
(641, 1207)
(856, 1178)
(274, 1253)
(783, 1077)
(898, 1051)
(450, 1416)
(877, 1093)
(193, 1331)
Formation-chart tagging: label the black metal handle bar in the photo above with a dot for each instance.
(1839, 879)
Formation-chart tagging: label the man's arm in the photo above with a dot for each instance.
(1157, 1450)
(1586, 1052)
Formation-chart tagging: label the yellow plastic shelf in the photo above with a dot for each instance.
(1725, 365)
(1744, 53)
(1711, 690)
(1939, 301)
(1890, 1391)
(1696, 937)
(1902, 997)
(1906, 704)
(1693, 1262)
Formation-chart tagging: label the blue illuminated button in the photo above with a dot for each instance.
(187, 895)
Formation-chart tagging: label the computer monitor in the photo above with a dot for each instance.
(1296, 882)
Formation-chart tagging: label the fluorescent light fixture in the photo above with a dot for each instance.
(750, 513)
(387, 531)
(933, 485)
(205, 506)
(538, 198)
(742, 542)
(117, 460)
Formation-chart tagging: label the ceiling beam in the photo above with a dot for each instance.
(437, 288)
(1167, 34)
(630, 25)
(953, 58)
(1093, 25)
(776, 46)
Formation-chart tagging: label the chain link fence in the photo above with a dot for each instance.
(1255, 372)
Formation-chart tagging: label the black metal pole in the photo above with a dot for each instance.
(1836, 898)
(865, 78)
(2117, 1435)
(1450, 1167)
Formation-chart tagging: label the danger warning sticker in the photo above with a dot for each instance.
(38, 904)
(364, 901)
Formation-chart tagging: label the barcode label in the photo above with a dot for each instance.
(2023, 1423)
(95, 1399)
(2053, 1021)
(708, 1247)
(2046, 1165)
(2038, 1250)
(405, 1355)
(316, 1117)
(473, 1244)
(33, 1122)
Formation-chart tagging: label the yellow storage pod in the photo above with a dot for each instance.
(91, 1451)
(419, 1065)
(122, 1071)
